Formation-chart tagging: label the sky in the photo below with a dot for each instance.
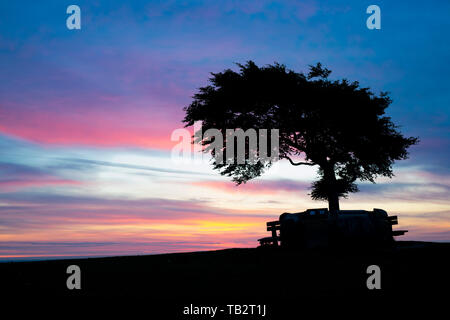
(86, 118)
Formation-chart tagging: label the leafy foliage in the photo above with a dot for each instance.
(334, 124)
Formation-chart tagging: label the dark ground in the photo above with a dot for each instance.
(411, 271)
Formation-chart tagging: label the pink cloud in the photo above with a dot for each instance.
(22, 183)
(95, 126)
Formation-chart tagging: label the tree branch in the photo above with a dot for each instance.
(299, 163)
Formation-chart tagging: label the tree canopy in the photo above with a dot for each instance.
(334, 124)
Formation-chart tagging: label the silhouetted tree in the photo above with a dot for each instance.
(336, 125)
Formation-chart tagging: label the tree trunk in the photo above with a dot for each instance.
(333, 202)
(333, 198)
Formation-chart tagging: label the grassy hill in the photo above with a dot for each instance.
(412, 269)
(246, 272)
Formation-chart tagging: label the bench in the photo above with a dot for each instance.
(393, 220)
(399, 232)
(272, 226)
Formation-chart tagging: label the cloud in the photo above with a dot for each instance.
(36, 224)
(431, 154)
(90, 127)
(431, 192)
(14, 185)
(130, 166)
(257, 186)
(17, 176)
(34, 210)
